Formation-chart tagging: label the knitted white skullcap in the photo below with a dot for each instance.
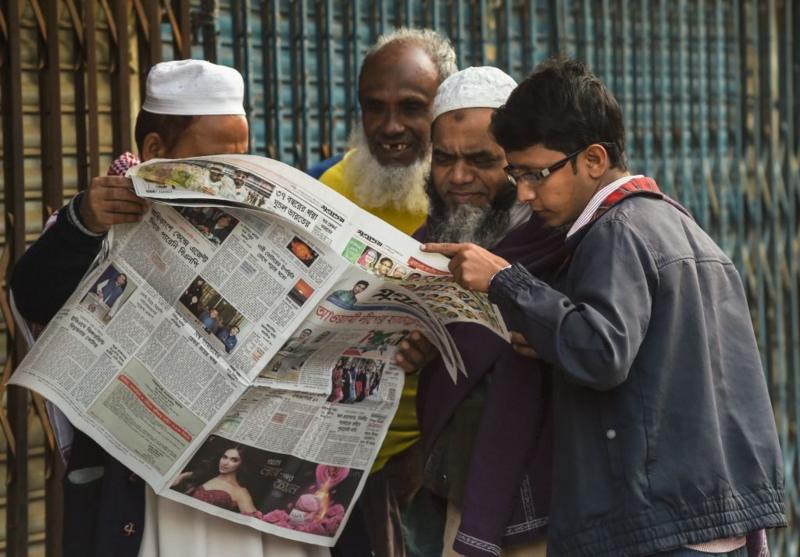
(193, 88)
(476, 87)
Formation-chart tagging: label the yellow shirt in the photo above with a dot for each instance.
(404, 430)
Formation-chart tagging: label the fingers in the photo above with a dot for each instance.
(111, 200)
(517, 338)
(415, 351)
(521, 346)
(443, 248)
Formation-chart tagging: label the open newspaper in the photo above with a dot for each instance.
(235, 348)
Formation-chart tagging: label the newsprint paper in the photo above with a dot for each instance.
(235, 348)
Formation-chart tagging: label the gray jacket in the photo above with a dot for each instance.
(664, 432)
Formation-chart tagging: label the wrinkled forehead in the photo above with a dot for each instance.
(403, 65)
(464, 129)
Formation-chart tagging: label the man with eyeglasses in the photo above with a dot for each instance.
(664, 436)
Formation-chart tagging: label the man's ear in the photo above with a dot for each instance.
(153, 147)
(597, 161)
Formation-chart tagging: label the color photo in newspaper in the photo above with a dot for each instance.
(195, 328)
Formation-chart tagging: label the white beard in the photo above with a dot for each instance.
(377, 186)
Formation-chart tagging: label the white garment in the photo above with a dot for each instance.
(175, 530)
(596, 200)
(536, 548)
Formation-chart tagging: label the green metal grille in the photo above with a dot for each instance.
(709, 89)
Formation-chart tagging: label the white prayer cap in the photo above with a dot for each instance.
(193, 88)
(476, 87)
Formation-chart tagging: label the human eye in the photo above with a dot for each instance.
(442, 158)
(483, 161)
(413, 106)
(534, 176)
(372, 105)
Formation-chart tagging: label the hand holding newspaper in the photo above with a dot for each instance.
(235, 348)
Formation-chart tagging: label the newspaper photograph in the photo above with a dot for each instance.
(245, 329)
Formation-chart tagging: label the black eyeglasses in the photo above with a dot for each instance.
(535, 177)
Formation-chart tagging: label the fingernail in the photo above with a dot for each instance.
(423, 247)
(398, 358)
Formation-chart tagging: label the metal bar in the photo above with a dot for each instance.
(180, 36)
(645, 97)
(241, 55)
(461, 51)
(503, 40)
(700, 123)
(81, 129)
(153, 10)
(185, 28)
(112, 28)
(719, 144)
(381, 5)
(121, 85)
(238, 33)
(606, 59)
(558, 30)
(529, 35)
(662, 96)
(682, 123)
(350, 51)
(50, 99)
(75, 19)
(435, 20)
(479, 46)
(14, 182)
(302, 148)
(329, 78)
(325, 78)
(791, 171)
(208, 21)
(248, 72)
(90, 25)
(297, 106)
(276, 81)
(270, 69)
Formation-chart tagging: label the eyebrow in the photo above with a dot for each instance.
(467, 155)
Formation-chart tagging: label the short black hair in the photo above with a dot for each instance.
(564, 107)
(169, 127)
(365, 283)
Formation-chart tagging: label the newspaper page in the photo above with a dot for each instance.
(250, 320)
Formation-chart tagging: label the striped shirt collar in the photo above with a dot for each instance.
(596, 200)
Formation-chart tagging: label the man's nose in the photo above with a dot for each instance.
(392, 124)
(525, 194)
(462, 173)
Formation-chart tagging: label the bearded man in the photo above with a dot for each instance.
(486, 438)
(384, 172)
(388, 158)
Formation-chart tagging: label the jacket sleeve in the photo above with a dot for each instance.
(593, 335)
(50, 270)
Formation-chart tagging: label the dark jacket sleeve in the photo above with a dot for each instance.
(50, 270)
(593, 335)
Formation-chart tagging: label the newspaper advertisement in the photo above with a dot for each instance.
(235, 348)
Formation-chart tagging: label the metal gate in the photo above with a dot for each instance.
(709, 89)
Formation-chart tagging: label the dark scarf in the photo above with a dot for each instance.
(507, 494)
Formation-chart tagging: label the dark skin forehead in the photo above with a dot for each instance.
(404, 63)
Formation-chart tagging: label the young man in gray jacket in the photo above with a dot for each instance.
(665, 441)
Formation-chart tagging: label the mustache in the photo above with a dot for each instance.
(484, 226)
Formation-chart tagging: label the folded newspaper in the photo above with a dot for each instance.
(235, 348)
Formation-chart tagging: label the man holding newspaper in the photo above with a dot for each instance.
(159, 388)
